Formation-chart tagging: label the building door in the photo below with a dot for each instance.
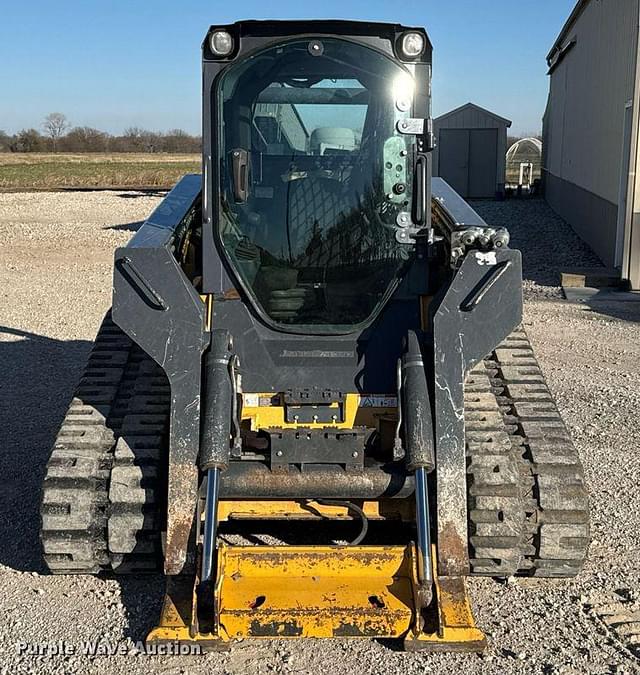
(468, 161)
(454, 159)
(483, 162)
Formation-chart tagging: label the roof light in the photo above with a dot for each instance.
(412, 44)
(221, 43)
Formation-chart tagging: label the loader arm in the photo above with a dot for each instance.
(157, 306)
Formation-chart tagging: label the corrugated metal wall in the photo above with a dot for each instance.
(588, 92)
(472, 117)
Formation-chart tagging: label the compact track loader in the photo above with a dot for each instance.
(312, 404)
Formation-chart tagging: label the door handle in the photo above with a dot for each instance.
(240, 170)
(421, 190)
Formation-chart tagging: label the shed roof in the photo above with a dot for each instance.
(473, 106)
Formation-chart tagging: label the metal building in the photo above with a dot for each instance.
(590, 147)
(471, 145)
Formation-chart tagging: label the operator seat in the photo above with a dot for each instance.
(315, 207)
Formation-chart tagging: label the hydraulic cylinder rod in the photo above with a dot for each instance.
(210, 524)
(423, 522)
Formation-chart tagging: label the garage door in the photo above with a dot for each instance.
(468, 161)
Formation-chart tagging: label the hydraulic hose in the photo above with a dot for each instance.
(352, 507)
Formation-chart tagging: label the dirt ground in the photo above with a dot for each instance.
(55, 280)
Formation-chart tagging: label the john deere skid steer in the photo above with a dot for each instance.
(312, 404)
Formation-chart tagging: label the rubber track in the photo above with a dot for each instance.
(528, 505)
(138, 482)
(100, 438)
(74, 507)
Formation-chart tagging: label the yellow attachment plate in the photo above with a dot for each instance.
(328, 591)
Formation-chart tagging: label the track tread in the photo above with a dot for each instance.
(74, 499)
(100, 502)
(137, 485)
(548, 519)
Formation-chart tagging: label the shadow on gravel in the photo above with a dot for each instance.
(151, 192)
(142, 599)
(38, 376)
(623, 311)
(549, 246)
(127, 227)
(37, 379)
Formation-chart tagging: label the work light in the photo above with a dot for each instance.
(221, 43)
(412, 44)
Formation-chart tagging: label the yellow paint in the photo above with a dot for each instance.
(388, 509)
(321, 591)
(457, 629)
(208, 303)
(273, 416)
(298, 591)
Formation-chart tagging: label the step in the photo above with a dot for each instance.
(594, 277)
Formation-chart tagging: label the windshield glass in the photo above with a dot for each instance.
(314, 175)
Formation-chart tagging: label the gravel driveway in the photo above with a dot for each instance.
(55, 280)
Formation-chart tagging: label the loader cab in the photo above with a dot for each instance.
(308, 175)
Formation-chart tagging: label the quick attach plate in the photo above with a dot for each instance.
(313, 405)
(317, 446)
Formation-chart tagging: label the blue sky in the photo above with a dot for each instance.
(111, 64)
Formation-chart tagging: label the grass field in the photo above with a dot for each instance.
(48, 171)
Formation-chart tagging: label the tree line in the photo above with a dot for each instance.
(58, 135)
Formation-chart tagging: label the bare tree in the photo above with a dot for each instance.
(55, 124)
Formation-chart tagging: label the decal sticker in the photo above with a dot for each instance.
(486, 258)
(378, 401)
(250, 400)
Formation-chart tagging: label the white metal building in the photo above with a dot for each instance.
(590, 147)
(524, 162)
(471, 145)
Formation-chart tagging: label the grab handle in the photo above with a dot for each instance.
(143, 284)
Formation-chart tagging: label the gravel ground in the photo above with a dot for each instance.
(55, 274)
(549, 244)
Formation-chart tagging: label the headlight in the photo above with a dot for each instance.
(221, 43)
(412, 44)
